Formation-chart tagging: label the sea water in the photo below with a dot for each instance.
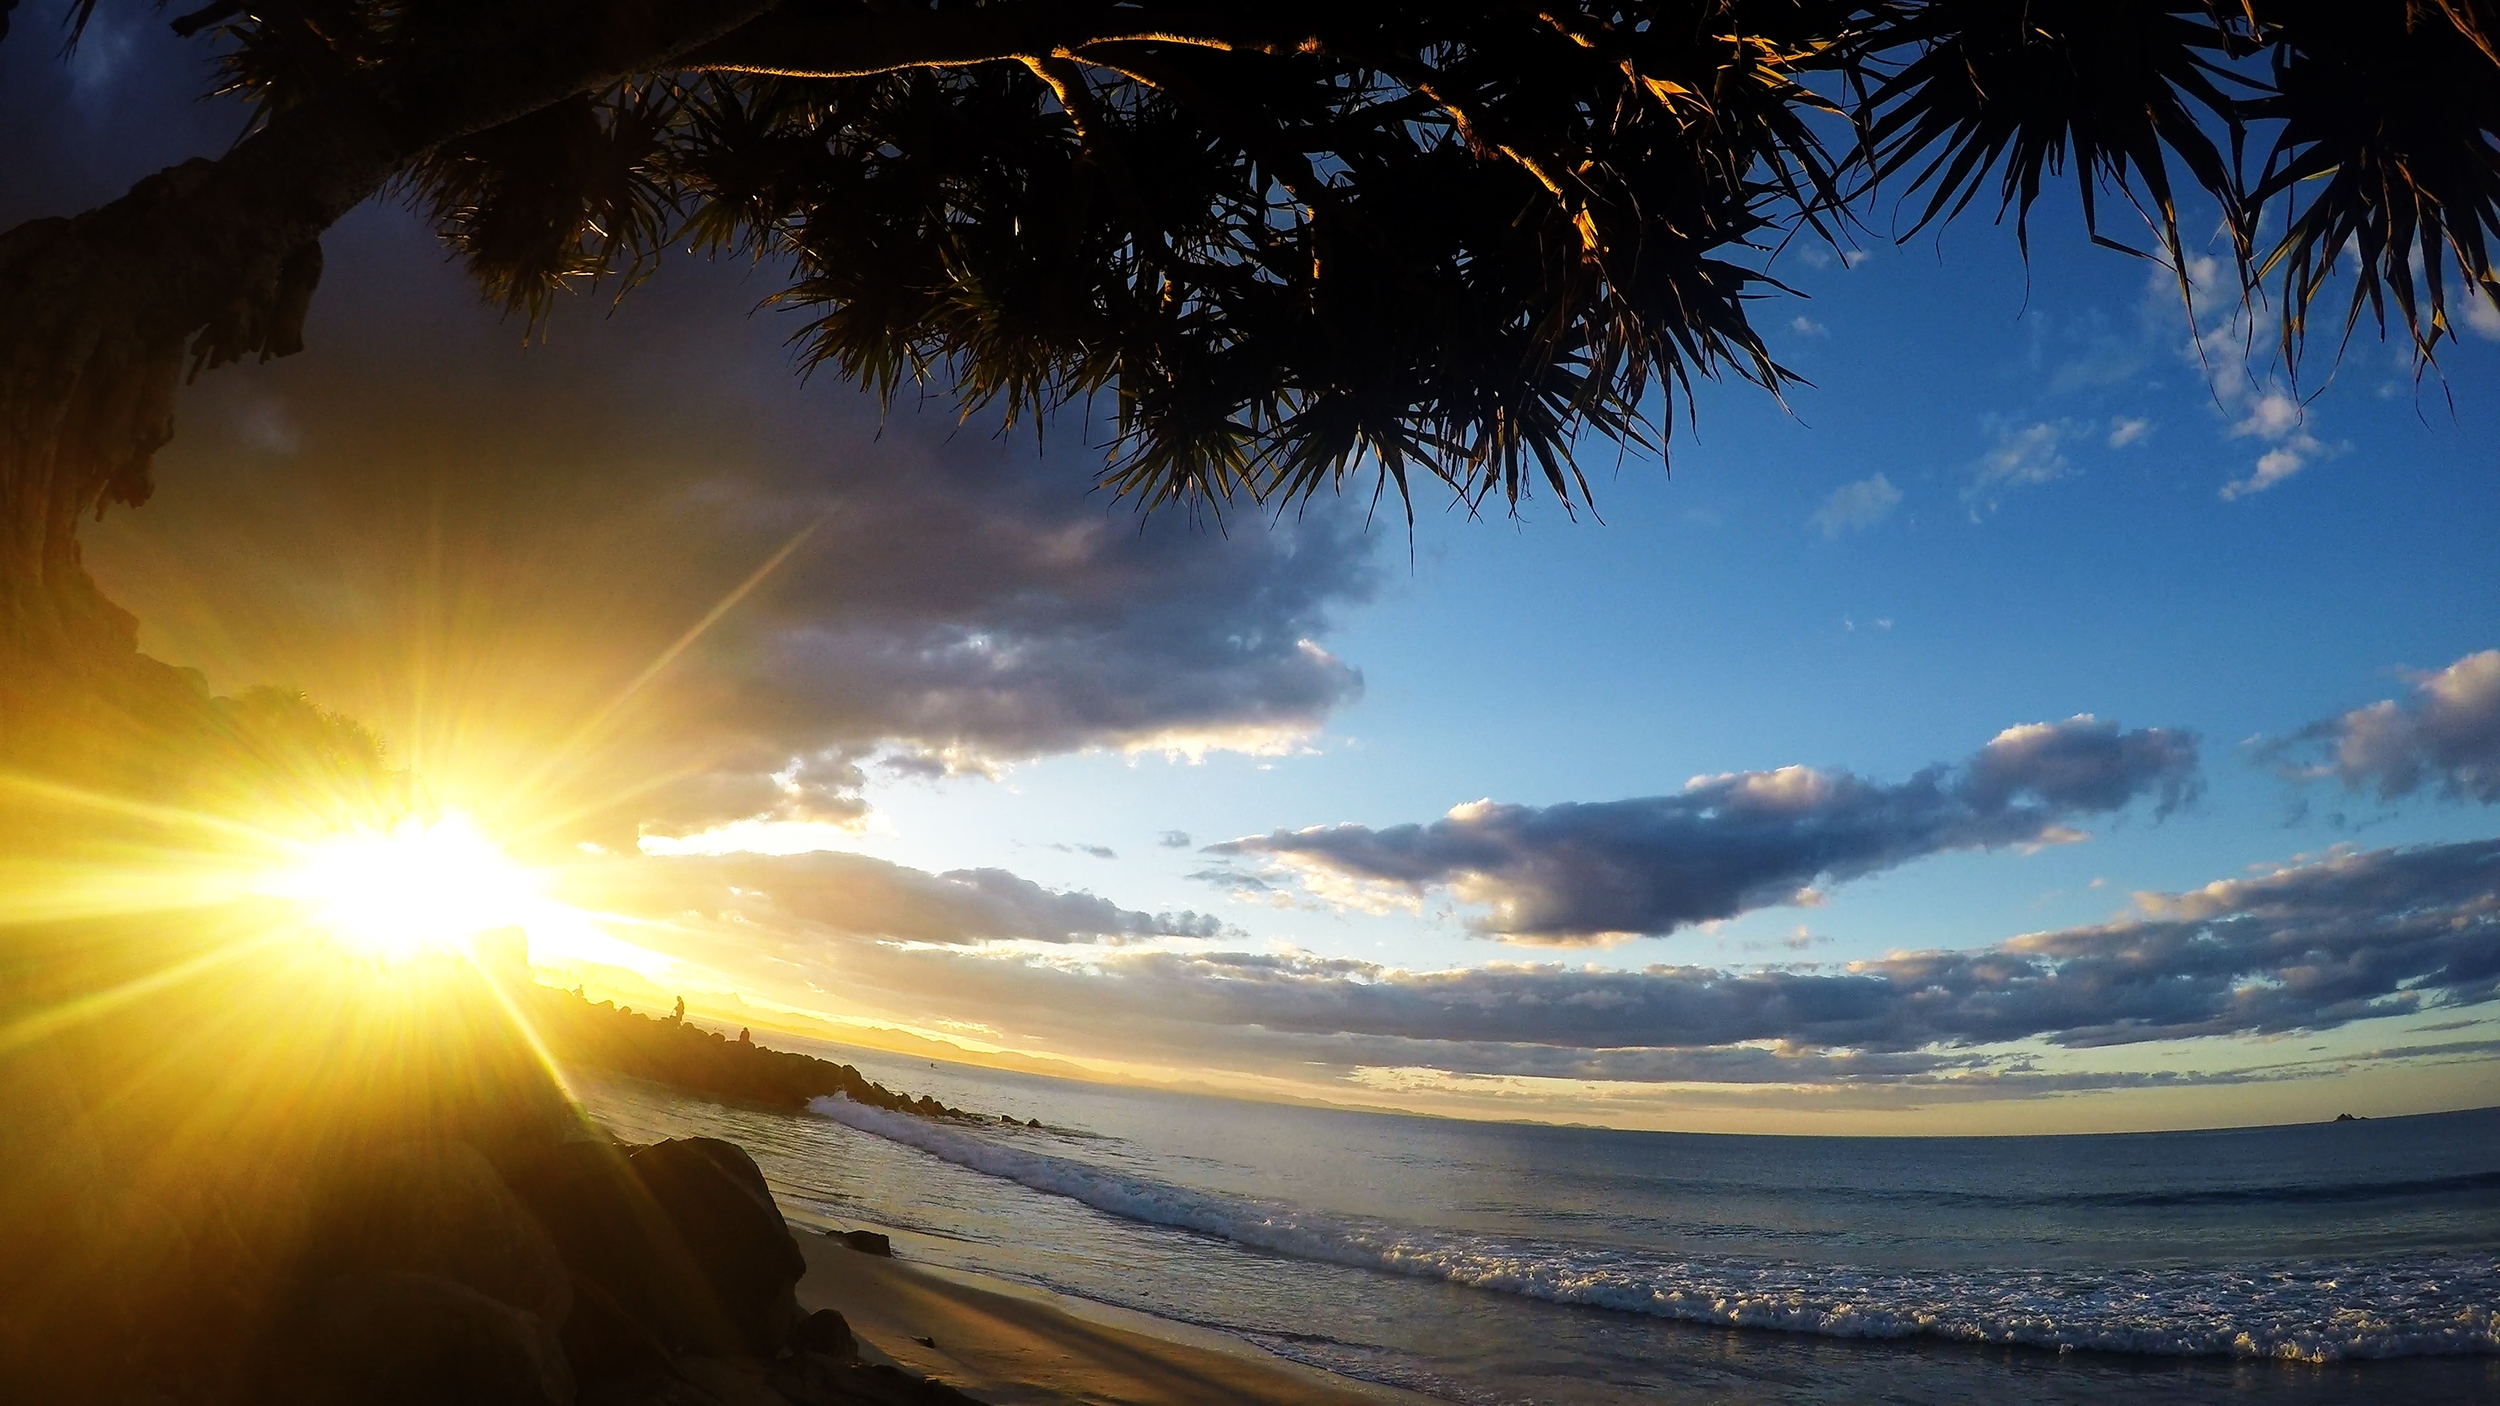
(1521, 1263)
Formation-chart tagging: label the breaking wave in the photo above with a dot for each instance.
(2414, 1305)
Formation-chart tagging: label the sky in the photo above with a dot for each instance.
(2054, 717)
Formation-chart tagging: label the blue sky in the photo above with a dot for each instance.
(2010, 496)
(1710, 625)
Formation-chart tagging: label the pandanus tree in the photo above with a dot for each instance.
(1288, 242)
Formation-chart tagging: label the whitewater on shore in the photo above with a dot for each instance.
(1518, 1263)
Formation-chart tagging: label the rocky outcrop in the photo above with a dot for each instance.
(677, 1246)
(671, 1051)
(438, 1208)
(400, 1338)
(409, 1273)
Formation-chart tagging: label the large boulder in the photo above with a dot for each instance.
(675, 1246)
(73, 1243)
(404, 1339)
(715, 1195)
(438, 1208)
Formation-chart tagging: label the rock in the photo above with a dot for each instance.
(713, 1193)
(606, 1342)
(733, 1381)
(438, 1208)
(825, 1332)
(70, 1265)
(404, 1339)
(680, 1242)
(882, 1385)
(811, 1379)
(645, 1389)
(867, 1242)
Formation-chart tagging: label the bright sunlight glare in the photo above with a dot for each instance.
(413, 889)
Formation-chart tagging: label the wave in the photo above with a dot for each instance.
(2325, 1194)
(2277, 1194)
(2419, 1305)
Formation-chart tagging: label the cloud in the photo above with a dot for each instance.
(478, 544)
(2482, 316)
(2021, 458)
(2223, 342)
(2278, 419)
(824, 892)
(1097, 851)
(1854, 507)
(2099, 354)
(1582, 872)
(2443, 737)
(1173, 839)
(1234, 879)
(2309, 947)
(2126, 430)
(1805, 326)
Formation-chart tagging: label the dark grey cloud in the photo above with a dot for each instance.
(783, 903)
(2308, 948)
(2444, 737)
(1233, 878)
(1584, 870)
(474, 543)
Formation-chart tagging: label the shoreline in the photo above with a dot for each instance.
(1013, 1344)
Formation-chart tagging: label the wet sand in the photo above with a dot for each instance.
(1012, 1345)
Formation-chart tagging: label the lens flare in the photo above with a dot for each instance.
(415, 889)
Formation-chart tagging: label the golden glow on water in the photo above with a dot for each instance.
(417, 887)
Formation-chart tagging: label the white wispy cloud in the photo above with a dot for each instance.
(2233, 341)
(1854, 507)
(2482, 316)
(2281, 422)
(2022, 457)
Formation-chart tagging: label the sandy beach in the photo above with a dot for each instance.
(1012, 1345)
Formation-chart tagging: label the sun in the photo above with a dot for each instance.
(420, 887)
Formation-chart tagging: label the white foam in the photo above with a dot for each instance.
(2408, 1306)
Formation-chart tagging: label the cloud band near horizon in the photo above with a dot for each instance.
(2312, 946)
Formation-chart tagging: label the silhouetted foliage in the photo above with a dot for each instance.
(1298, 240)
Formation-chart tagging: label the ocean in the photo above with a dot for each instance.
(1510, 1264)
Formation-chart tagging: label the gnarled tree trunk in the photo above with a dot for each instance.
(104, 315)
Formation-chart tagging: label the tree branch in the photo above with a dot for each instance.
(218, 259)
(872, 42)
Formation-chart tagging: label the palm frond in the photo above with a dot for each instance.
(2113, 88)
(566, 195)
(2386, 159)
